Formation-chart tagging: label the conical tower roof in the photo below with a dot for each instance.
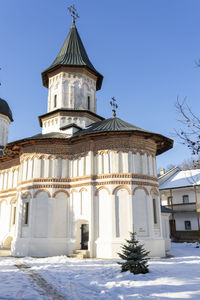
(72, 54)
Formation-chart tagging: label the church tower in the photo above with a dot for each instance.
(72, 82)
(5, 120)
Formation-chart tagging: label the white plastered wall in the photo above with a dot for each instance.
(111, 213)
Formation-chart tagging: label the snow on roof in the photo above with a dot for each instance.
(182, 179)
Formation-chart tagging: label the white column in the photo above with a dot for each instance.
(130, 162)
(19, 217)
(145, 163)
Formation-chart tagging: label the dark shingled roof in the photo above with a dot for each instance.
(114, 125)
(5, 109)
(118, 125)
(51, 135)
(107, 125)
(73, 54)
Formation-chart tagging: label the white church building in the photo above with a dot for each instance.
(84, 182)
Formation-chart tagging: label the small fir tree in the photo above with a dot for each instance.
(135, 257)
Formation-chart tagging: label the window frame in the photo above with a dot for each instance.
(55, 101)
(88, 103)
(155, 216)
(189, 223)
(14, 210)
(26, 210)
(169, 200)
(185, 202)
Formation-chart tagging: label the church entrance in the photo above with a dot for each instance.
(84, 236)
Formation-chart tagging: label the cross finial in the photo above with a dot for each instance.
(114, 106)
(74, 13)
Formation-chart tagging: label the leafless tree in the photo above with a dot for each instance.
(189, 134)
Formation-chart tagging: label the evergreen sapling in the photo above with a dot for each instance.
(135, 256)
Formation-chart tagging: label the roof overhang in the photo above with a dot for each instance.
(163, 143)
(70, 112)
(50, 71)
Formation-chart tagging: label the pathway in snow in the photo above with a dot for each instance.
(60, 277)
(47, 289)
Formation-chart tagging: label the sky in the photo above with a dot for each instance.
(145, 49)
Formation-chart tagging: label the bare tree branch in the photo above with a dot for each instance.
(189, 134)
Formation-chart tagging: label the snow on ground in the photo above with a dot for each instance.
(177, 277)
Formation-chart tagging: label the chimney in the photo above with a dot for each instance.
(162, 171)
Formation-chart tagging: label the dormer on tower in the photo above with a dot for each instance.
(72, 81)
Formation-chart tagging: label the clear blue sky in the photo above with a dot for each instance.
(146, 50)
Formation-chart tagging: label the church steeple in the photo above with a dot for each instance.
(72, 82)
(73, 54)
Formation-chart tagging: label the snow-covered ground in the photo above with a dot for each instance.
(177, 277)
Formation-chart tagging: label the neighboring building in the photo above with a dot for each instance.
(180, 191)
(85, 182)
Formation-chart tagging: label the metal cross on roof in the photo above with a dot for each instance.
(114, 106)
(73, 12)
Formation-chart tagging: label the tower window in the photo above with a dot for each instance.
(55, 100)
(88, 102)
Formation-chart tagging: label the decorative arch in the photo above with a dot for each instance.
(60, 191)
(13, 200)
(86, 84)
(155, 191)
(83, 189)
(102, 188)
(120, 187)
(73, 191)
(42, 191)
(7, 240)
(25, 195)
(3, 200)
(141, 188)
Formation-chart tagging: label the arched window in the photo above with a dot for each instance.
(26, 208)
(155, 212)
(26, 212)
(55, 100)
(88, 102)
(13, 214)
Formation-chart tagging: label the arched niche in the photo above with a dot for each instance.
(103, 213)
(4, 220)
(121, 187)
(61, 191)
(61, 214)
(155, 204)
(41, 214)
(42, 191)
(140, 211)
(122, 211)
(102, 188)
(84, 203)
